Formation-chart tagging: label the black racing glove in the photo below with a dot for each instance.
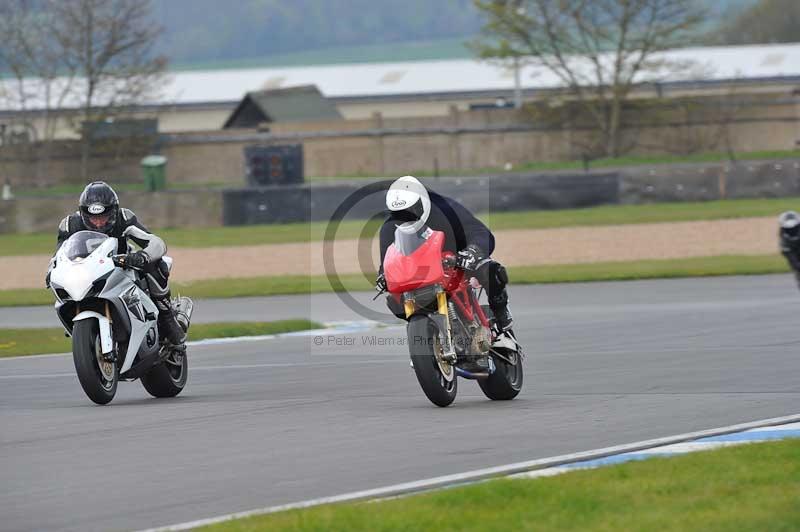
(469, 257)
(47, 281)
(380, 283)
(137, 260)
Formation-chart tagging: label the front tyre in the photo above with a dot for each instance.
(167, 378)
(98, 376)
(436, 376)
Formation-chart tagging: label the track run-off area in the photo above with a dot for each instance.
(272, 422)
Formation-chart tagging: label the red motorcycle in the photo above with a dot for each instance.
(449, 333)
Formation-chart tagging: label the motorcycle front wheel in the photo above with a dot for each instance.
(98, 377)
(436, 377)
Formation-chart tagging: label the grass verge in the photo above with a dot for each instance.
(749, 487)
(16, 342)
(558, 273)
(31, 244)
(608, 162)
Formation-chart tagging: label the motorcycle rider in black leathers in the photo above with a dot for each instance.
(789, 237)
(409, 202)
(99, 210)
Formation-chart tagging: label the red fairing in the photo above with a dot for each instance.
(453, 277)
(421, 268)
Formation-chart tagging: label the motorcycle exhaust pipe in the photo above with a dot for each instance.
(470, 375)
(183, 312)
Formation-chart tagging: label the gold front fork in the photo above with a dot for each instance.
(408, 305)
(441, 298)
(449, 354)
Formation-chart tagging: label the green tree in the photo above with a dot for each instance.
(769, 21)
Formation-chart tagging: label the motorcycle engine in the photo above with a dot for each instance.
(471, 339)
(481, 340)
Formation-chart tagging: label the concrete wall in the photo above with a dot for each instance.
(163, 209)
(463, 140)
(396, 146)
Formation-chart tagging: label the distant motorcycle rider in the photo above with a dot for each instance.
(789, 237)
(410, 204)
(99, 210)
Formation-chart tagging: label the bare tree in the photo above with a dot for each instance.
(39, 83)
(600, 50)
(110, 45)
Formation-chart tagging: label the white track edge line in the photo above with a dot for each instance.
(480, 474)
(368, 325)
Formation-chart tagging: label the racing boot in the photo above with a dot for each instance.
(168, 324)
(503, 323)
(502, 315)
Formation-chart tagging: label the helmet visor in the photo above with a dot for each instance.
(98, 221)
(102, 221)
(791, 232)
(409, 214)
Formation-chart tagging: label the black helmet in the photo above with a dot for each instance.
(790, 225)
(99, 206)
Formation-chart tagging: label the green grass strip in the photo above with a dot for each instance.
(16, 342)
(30, 244)
(640, 160)
(744, 488)
(650, 269)
(559, 273)
(608, 162)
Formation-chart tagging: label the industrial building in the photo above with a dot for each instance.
(209, 100)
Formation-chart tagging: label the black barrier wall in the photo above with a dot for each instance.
(632, 185)
(316, 202)
(695, 182)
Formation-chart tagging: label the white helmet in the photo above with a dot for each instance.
(408, 202)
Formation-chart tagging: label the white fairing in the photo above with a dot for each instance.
(106, 344)
(87, 257)
(76, 277)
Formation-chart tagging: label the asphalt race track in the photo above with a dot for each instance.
(278, 421)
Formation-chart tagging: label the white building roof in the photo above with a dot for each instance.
(459, 76)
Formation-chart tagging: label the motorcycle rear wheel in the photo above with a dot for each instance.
(167, 378)
(506, 381)
(436, 377)
(100, 386)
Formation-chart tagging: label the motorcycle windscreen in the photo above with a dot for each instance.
(414, 261)
(82, 244)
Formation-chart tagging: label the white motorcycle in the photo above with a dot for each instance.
(107, 311)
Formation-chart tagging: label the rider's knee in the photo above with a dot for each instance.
(163, 269)
(494, 278)
(500, 274)
(497, 277)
